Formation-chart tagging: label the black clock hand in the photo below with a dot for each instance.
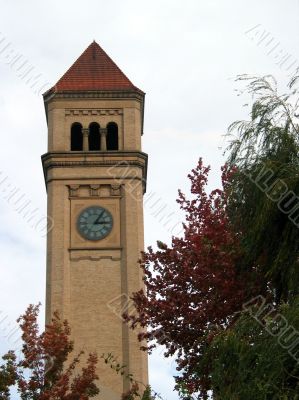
(97, 222)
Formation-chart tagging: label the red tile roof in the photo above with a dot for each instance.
(94, 70)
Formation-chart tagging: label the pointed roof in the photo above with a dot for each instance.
(93, 70)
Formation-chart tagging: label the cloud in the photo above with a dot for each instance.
(161, 375)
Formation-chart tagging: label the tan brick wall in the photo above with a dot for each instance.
(84, 277)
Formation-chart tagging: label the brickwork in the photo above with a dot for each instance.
(84, 277)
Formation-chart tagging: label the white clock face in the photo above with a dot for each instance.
(94, 223)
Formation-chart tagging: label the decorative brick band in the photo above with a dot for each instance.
(93, 112)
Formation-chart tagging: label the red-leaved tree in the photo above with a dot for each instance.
(46, 370)
(193, 288)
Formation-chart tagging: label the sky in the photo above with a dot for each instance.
(184, 55)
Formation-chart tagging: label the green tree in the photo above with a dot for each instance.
(263, 200)
(248, 360)
(258, 358)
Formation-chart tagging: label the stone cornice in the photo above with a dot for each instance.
(95, 94)
(74, 159)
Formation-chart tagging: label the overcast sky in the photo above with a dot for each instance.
(183, 54)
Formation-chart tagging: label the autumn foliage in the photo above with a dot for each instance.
(47, 370)
(193, 287)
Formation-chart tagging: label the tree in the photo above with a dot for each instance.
(263, 202)
(8, 375)
(238, 242)
(45, 371)
(257, 359)
(193, 287)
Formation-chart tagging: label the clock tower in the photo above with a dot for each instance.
(95, 174)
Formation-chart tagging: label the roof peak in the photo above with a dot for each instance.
(94, 70)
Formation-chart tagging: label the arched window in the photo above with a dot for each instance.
(76, 137)
(94, 138)
(112, 136)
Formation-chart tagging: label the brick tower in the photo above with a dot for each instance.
(95, 175)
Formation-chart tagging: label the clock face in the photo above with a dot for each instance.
(94, 223)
